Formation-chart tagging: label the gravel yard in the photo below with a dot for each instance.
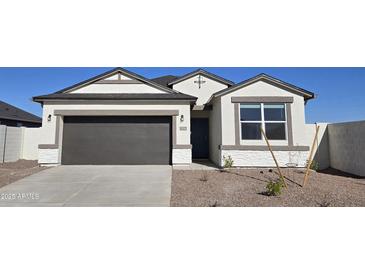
(246, 187)
(11, 172)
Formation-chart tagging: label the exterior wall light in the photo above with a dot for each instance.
(49, 118)
(182, 118)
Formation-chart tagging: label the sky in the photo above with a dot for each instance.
(340, 92)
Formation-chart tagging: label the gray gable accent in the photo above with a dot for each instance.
(204, 73)
(10, 112)
(113, 72)
(118, 82)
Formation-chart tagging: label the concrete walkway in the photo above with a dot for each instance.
(198, 165)
(91, 186)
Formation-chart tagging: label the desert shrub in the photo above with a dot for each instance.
(204, 176)
(215, 204)
(314, 165)
(325, 202)
(227, 161)
(274, 188)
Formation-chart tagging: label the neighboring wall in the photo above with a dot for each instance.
(11, 142)
(2, 142)
(18, 143)
(340, 146)
(31, 140)
(347, 147)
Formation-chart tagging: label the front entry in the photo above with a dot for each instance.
(200, 137)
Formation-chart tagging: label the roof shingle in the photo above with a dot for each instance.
(165, 80)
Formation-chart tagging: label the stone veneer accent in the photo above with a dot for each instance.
(264, 159)
(181, 156)
(48, 156)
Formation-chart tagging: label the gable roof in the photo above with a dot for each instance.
(113, 72)
(64, 94)
(206, 74)
(11, 112)
(165, 80)
(270, 80)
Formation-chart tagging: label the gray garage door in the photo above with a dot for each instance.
(119, 140)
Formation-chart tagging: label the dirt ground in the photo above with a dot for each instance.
(11, 172)
(247, 187)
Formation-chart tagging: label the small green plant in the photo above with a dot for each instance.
(204, 176)
(314, 165)
(274, 188)
(228, 161)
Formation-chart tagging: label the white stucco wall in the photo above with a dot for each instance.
(223, 129)
(48, 129)
(204, 93)
(215, 132)
(118, 88)
(321, 149)
(262, 89)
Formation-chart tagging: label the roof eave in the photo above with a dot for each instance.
(41, 99)
(306, 94)
(22, 120)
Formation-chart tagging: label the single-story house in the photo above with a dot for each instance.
(122, 118)
(15, 117)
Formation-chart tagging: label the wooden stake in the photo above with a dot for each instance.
(273, 156)
(309, 161)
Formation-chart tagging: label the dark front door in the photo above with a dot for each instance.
(200, 137)
(116, 140)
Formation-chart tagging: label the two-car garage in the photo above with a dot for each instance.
(116, 118)
(116, 140)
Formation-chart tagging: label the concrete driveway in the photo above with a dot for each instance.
(91, 186)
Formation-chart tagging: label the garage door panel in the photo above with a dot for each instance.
(117, 140)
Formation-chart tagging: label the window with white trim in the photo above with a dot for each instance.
(270, 116)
